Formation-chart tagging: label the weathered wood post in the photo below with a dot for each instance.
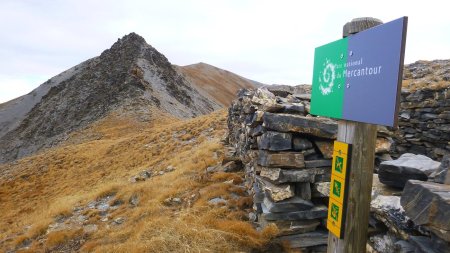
(362, 136)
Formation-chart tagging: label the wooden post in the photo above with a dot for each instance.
(363, 138)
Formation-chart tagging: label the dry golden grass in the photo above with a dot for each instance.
(219, 84)
(60, 237)
(40, 188)
(223, 176)
(414, 85)
(433, 80)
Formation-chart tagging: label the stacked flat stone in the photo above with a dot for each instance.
(428, 206)
(419, 220)
(287, 156)
(424, 123)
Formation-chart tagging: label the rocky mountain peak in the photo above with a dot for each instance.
(131, 77)
(131, 38)
(130, 44)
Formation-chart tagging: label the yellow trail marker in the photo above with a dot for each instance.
(337, 205)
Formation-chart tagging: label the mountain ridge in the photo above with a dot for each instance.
(131, 76)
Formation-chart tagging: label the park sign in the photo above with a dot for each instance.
(358, 78)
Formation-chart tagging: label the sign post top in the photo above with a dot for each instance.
(359, 24)
(358, 78)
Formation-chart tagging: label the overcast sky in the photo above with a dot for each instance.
(267, 41)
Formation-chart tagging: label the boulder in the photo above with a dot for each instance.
(402, 246)
(408, 166)
(379, 158)
(257, 119)
(442, 175)
(303, 190)
(248, 107)
(256, 131)
(428, 204)
(275, 141)
(302, 96)
(266, 101)
(230, 154)
(320, 127)
(383, 145)
(320, 190)
(379, 188)
(299, 143)
(383, 243)
(306, 240)
(310, 154)
(263, 96)
(325, 147)
(276, 192)
(271, 107)
(292, 227)
(281, 159)
(292, 99)
(288, 205)
(294, 108)
(317, 212)
(318, 163)
(170, 168)
(279, 176)
(387, 209)
(217, 201)
(280, 90)
(258, 197)
(142, 176)
(232, 166)
(386, 203)
(382, 131)
(423, 244)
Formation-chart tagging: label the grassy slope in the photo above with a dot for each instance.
(432, 80)
(219, 84)
(99, 162)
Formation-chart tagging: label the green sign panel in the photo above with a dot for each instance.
(329, 81)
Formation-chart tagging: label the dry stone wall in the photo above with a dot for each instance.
(424, 123)
(286, 153)
(287, 157)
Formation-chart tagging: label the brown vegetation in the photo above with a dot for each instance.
(219, 84)
(37, 191)
(422, 74)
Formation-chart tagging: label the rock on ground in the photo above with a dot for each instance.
(408, 166)
(428, 204)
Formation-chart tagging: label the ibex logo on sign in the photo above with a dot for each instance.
(327, 77)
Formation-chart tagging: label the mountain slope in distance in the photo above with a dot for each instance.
(131, 77)
(220, 85)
